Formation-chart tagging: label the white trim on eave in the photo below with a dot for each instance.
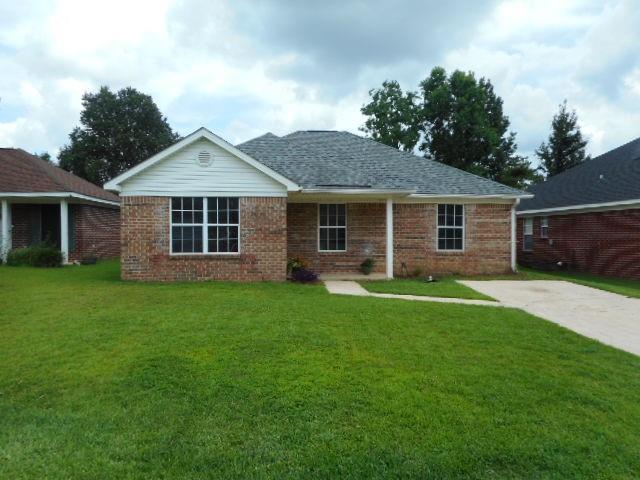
(202, 132)
(471, 196)
(587, 207)
(79, 196)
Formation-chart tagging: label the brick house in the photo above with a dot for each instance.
(43, 203)
(204, 209)
(586, 218)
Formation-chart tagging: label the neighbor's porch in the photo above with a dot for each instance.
(34, 220)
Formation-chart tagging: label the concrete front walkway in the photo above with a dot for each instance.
(608, 317)
(342, 287)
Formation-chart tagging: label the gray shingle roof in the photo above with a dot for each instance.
(611, 177)
(317, 159)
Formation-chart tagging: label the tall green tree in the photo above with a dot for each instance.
(118, 130)
(566, 146)
(460, 120)
(392, 116)
(464, 125)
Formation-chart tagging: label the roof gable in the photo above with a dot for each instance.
(201, 133)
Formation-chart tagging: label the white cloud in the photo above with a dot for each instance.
(243, 69)
(540, 53)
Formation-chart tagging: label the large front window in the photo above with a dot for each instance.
(332, 223)
(205, 225)
(450, 227)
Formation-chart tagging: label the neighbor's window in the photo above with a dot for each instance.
(450, 227)
(528, 234)
(332, 227)
(205, 225)
(544, 227)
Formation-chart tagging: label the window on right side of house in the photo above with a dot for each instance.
(528, 234)
(450, 227)
(544, 227)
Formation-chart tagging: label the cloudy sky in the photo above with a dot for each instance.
(242, 68)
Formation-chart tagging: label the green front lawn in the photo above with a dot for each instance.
(106, 379)
(443, 287)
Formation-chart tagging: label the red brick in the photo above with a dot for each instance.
(146, 249)
(602, 243)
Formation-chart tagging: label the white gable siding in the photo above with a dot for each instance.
(181, 175)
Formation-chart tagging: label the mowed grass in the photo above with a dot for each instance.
(101, 378)
(443, 287)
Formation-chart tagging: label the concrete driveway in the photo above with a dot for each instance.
(608, 317)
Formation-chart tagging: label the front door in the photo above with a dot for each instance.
(50, 224)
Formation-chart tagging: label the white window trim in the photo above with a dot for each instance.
(544, 224)
(464, 231)
(524, 234)
(346, 229)
(205, 224)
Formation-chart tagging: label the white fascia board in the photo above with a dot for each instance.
(78, 196)
(470, 196)
(202, 132)
(620, 205)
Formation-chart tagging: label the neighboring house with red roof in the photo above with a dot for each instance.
(586, 218)
(43, 203)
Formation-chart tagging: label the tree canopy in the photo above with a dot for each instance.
(459, 120)
(392, 116)
(118, 130)
(565, 147)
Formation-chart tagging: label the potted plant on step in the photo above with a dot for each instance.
(366, 267)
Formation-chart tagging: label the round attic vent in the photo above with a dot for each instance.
(204, 159)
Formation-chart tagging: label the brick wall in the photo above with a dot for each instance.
(487, 249)
(97, 231)
(366, 237)
(602, 243)
(21, 222)
(145, 236)
(487, 243)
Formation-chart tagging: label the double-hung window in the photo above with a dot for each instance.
(332, 227)
(544, 227)
(205, 225)
(528, 234)
(451, 227)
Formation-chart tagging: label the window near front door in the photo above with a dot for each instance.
(544, 227)
(205, 225)
(332, 227)
(451, 227)
(528, 234)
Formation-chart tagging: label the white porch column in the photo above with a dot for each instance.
(389, 238)
(64, 229)
(5, 231)
(514, 243)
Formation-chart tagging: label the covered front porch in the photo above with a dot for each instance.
(334, 234)
(403, 235)
(27, 221)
